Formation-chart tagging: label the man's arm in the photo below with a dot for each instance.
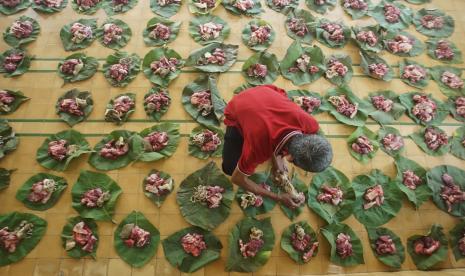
(243, 181)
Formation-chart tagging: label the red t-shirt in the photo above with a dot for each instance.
(265, 116)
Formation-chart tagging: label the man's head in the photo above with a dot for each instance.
(310, 152)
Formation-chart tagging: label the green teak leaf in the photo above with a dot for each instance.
(137, 256)
(89, 68)
(457, 145)
(230, 52)
(155, 55)
(146, 152)
(445, 30)
(186, 262)
(198, 213)
(92, 180)
(393, 260)
(436, 184)
(66, 35)
(74, 139)
(122, 41)
(196, 151)
(203, 83)
(286, 241)
(300, 77)
(247, 34)
(263, 58)
(331, 231)
(152, 40)
(133, 61)
(72, 119)
(67, 234)
(241, 231)
(14, 41)
(13, 220)
(105, 164)
(419, 139)
(24, 191)
(331, 177)
(196, 22)
(376, 215)
(425, 262)
(422, 193)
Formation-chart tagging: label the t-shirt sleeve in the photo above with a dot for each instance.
(276, 89)
(247, 162)
(311, 126)
(229, 117)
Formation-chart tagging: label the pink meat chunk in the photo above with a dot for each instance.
(434, 138)
(218, 56)
(157, 185)
(58, 149)
(391, 13)
(330, 195)
(385, 245)
(193, 244)
(71, 106)
(378, 70)
(426, 246)
(368, 37)
(382, 103)
(451, 80)
(202, 100)
(119, 71)
(430, 21)
(355, 4)
(411, 180)
(333, 32)
(12, 61)
(160, 31)
(257, 70)
(164, 66)
(451, 193)
(157, 140)
(400, 44)
(111, 33)
(414, 73)
(21, 29)
(83, 236)
(362, 145)
(259, 35)
(297, 26)
(343, 106)
(307, 103)
(243, 5)
(393, 142)
(444, 50)
(94, 198)
(114, 149)
(157, 101)
(424, 108)
(71, 67)
(344, 245)
(373, 197)
(460, 106)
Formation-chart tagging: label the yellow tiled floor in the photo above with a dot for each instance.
(43, 86)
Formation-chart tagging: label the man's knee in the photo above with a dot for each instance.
(228, 169)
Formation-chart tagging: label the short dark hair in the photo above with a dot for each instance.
(310, 152)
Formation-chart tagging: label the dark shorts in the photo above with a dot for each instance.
(232, 149)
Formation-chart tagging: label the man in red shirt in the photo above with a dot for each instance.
(262, 123)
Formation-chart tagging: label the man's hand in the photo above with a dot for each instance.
(288, 200)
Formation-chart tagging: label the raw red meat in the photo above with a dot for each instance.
(95, 198)
(434, 138)
(391, 13)
(21, 29)
(207, 141)
(257, 70)
(343, 245)
(193, 244)
(157, 101)
(385, 245)
(157, 185)
(113, 149)
(157, 140)
(330, 195)
(451, 192)
(426, 246)
(368, 37)
(362, 145)
(424, 108)
(164, 66)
